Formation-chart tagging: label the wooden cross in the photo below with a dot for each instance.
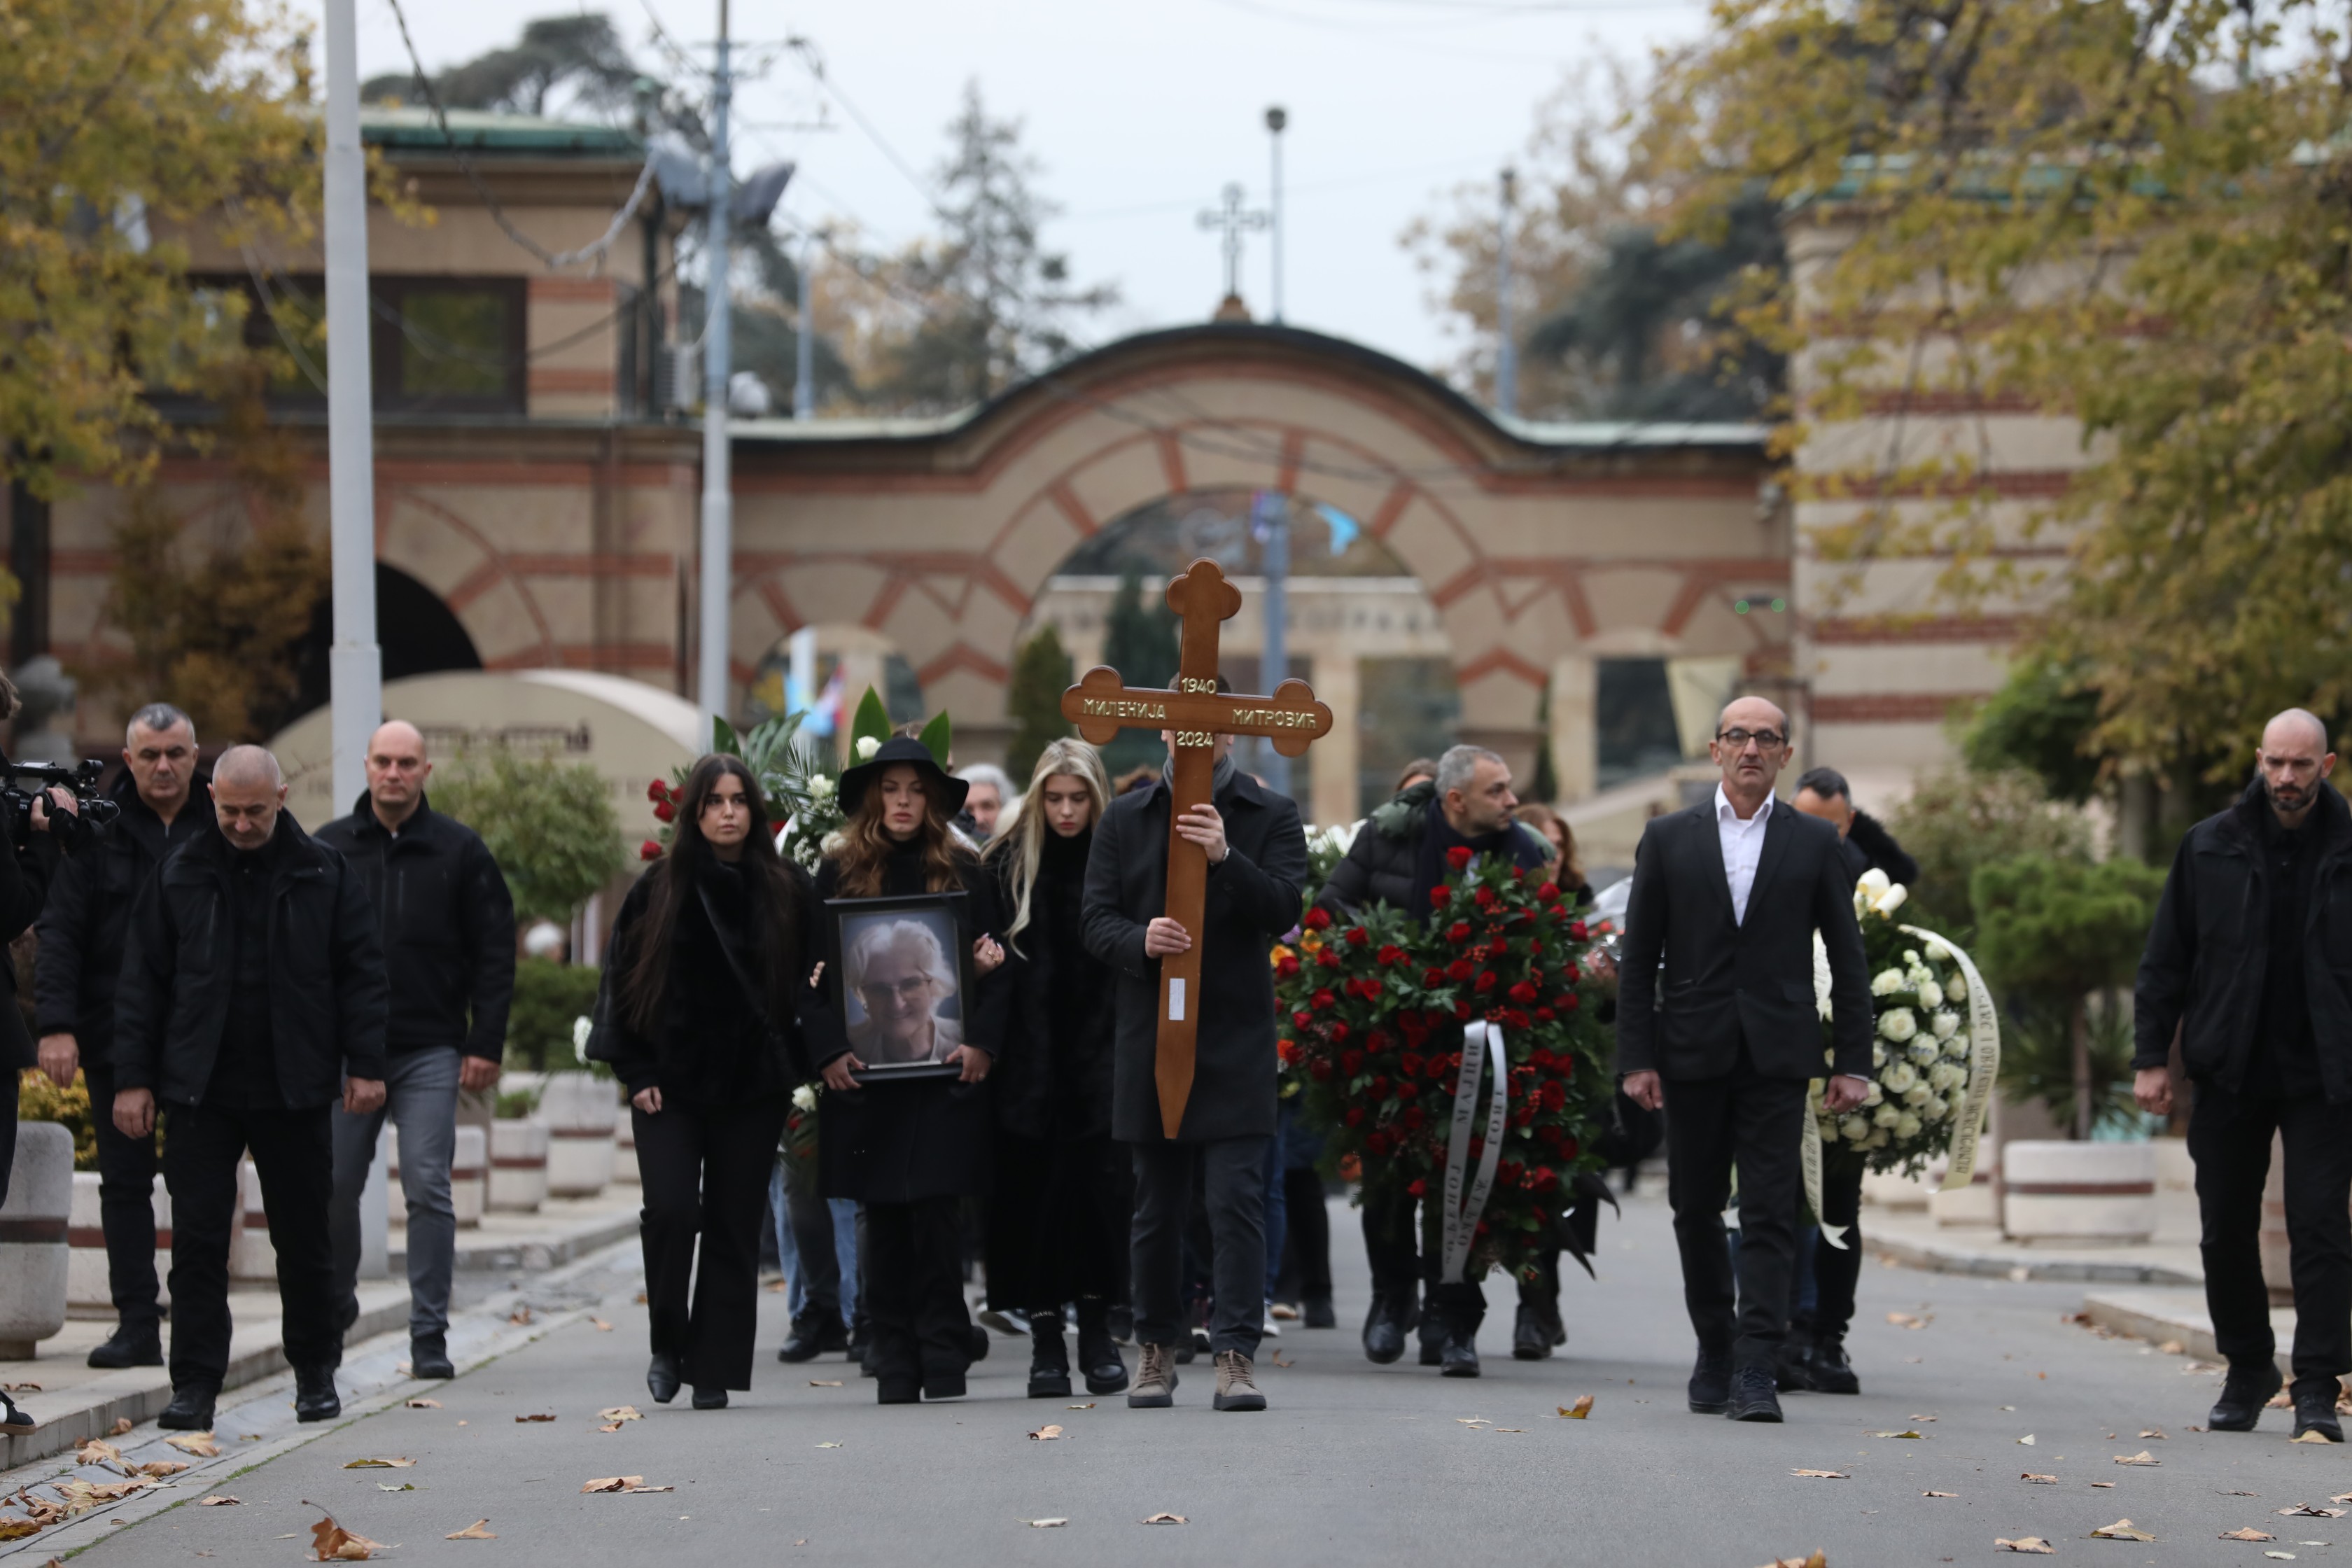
(1101, 705)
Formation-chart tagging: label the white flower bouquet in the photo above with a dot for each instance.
(1921, 1042)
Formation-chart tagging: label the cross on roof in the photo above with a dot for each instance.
(1235, 222)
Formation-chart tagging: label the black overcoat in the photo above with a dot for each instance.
(925, 1138)
(1252, 898)
(1055, 1079)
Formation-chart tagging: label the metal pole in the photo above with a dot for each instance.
(354, 664)
(805, 340)
(1273, 664)
(718, 499)
(1276, 119)
(1506, 351)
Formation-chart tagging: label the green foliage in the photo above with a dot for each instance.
(2037, 722)
(1042, 672)
(550, 824)
(583, 53)
(548, 997)
(2037, 1062)
(515, 1104)
(39, 1100)
(1140, 642)
(1957, 820)
(2054, 931)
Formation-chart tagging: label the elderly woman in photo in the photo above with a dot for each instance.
(900, 974)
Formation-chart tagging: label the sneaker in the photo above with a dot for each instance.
(1270, 1329)
(1155, 1380)
(131, 1344)
(2244, 1392)
(1283, 1311)
(1828, 1369)
(1320, 1314)
(1236, 1390)
(2314, 1408)
(1710, 1383)
(1753, 1394)
(13, 1420)
(191, 1409)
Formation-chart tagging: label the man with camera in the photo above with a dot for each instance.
(450, 952)
(74, 980)
(253, 997)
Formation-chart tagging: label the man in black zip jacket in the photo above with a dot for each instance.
(252, 999)
(449, 950)
(75, 974)
(2248, 962)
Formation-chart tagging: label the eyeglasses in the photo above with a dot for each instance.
(905, 990)
(1767, 739)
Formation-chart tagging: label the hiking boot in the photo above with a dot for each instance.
(1235, 1388)
(428, 1357)
(131, 1344)
(1384, 1328)
(2314, 1408)
(1098, 1357)
(314, 1393)
(1710, 1383)
(2244, 1392)
(1828, 1370)
(1049, 1357)
(1155, 1380)
(806, 1342)
(1529, 1340)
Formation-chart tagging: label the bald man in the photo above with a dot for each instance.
(251, 1000)
(2248, 963)
(1716, 1022)
(449, 948)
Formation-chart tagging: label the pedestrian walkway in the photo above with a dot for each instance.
(1913, 1238)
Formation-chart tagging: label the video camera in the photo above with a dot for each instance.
(71, 829)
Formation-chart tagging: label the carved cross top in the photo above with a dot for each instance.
(1194, 712)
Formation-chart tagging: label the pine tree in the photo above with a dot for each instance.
(1042, 672)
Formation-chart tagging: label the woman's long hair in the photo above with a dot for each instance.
(864, 856)
(645, 977)
(1540, 817)
(1017, 846)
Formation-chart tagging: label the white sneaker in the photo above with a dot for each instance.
(1273, 1330)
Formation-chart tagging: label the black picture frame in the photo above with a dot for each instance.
(941, 915)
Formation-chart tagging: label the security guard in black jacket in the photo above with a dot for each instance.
(165, 802)
(252, 1000)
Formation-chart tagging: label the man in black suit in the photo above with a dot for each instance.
(1716, 1020)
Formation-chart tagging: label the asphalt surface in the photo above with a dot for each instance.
(1353, 1464)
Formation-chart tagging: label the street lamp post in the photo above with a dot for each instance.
(1506, 351)
(1277, 119)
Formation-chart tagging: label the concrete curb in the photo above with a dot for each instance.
(2165, 1316)
(478, 1255)
(2074, 1269)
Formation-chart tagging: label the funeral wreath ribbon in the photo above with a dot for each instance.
(1482, 1044)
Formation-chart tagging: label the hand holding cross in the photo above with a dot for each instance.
(1194, 712)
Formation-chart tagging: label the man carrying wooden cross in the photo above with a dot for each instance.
(1256, 856)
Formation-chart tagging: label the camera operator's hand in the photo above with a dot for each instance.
(61, 1058)
(134, 1112)
(57, 797)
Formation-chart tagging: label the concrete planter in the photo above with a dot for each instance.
(89, 1289)
(625, 1150)
(34, 1254)
(1971, 1205)
(2078, 1192)
(518, 1165)
(1894, 1190)
(469, 1173)
(580, 1111)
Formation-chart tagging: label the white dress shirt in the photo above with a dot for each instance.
(1743, 847)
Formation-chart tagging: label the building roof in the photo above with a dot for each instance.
(413, 128)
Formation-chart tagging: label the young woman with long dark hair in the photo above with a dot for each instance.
(1058, 1218)
(705, 985)
(911, 1150)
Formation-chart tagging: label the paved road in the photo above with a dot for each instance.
(1354, 1464)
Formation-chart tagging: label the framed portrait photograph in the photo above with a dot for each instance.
(901, 972)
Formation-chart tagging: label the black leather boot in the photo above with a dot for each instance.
(428, 1357)
(1710, 1383)
(805, 1340)
(1098, 1357)
(662, 1378)
(1384, 1328)
(1529, 1340)
(1049, 1356)
(191, 1409)
(1458, 1355)
(314, 1393)
(131, 1344)
(1827, 1369)
(2314, 1408)
(1792, 1363)
(1316, 1313)
(2244, 1392)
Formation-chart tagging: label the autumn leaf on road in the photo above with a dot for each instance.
(602, 1327)
(1045, 1524)
(473, 1531)
(380, 1465)
(2121, 1531)
(1818, 1560)
(1921, 1436)
(2304, 1511)
(331, 1543)
(162, 1467)
(1045, 1433)
(520, 1419)
(520, 1315)
(2248, 1533)
(219, 1500)
(620, 1412)
(1089, 1404)
(18, 1529)
(98, 1451)
(199, 1444)
(1910, 1321)
(1939, 1494)
(424, 1404)
(2031, 1544)
(2027, 1440)
(2153, 1432)
(2039, 1481)
(1167, 1519)
(1580, 1410)
(2314, 1435)
(1823, 1475)
(825, 1382)
(121, 1425)
(612, 1483)
(1277, 1359)
(2142, 1457)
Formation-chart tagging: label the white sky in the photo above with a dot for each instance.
(1141, 111)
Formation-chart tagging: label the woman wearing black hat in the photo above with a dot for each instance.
(700, 1023)
(910, 1149)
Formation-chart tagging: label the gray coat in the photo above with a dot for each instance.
(1253, 898)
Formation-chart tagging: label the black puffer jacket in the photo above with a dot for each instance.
(327, 987)
(2206, 958)
(1378, 867)
(1055, 1080)
(24, 877)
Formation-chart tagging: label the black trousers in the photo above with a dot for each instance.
(1836, 1272)
(126, 1206)
(8, 1134)
(913, 1258)
(1710, 1124)
(1058, 1218)
(1232, 1172)
(2229, 1140)
(294, 1151)
(705, 1170)
(1307, 1234)
(1407, 1249)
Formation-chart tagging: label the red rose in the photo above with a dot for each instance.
(1437, 897)
(1339, 1034)
(1566, 1002)
(665, 812)
(1481, 1230)
(1413, 1118)
(1545, 1015)
(1437, 1068)
(1518, 873)
(1523, 1116)
(1377, 1040)
(1433, 977)
(1567, 1066)
(1548, 1135)
(1321, 1001)
(1355, 1116)
(1458, 858)
(1507, 1173)
(1540, 1058)
(1567, 1150)
(1390, 955)
(1378, 1088)
(1351, 1062)
(1459, 970)
(1570, 975)
(1378, 1143)
(1320, 1069)
(1417, 1187)
(1553, 1096)
(1576, 930)
(1358, 936)
(1524, 994)
(1549, 892)
(1300, 1020)
(1406, 1089)
(1487, 981)
(1288, 1050)
(649, 850)
(1485, 897)
(657, 790)
(1458, 932)
(1317, 919)
(1329, 958)
(1287, 965)
(1463, 1011)
(1546, 1179)
(1411, 1063)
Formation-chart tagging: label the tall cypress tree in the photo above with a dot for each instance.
(1141, 642)
(1042, 672)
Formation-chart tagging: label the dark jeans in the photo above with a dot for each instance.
(2229, 1140)
(1711, 1122)
(1233, 1176)
(705, 1170)
(8, 1135)
(126, 1206)
(294, 1152)
(420, 1099)
(914, 1290)
(1309, 1251)
(821, 1229)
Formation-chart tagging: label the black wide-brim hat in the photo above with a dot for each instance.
(901, 749)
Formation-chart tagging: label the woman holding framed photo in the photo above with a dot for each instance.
(1058, 1218)
(700, 1020)
(913, 1023)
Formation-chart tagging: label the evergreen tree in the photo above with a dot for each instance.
(1141, 642)
(1042, 672)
